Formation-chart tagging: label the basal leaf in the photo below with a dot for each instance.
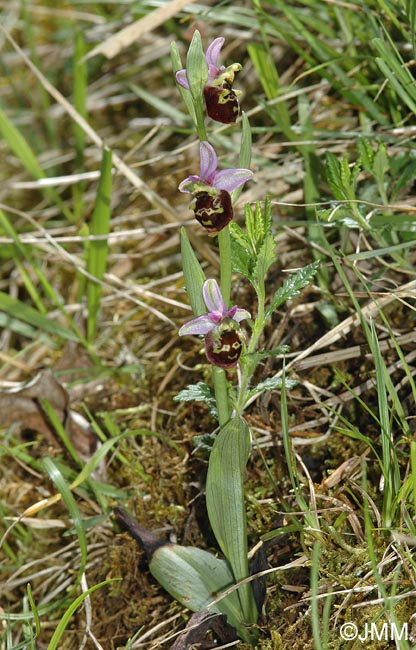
(195, 578)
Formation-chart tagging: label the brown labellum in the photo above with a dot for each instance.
(222, 103)
(223, 346)
(213, 209)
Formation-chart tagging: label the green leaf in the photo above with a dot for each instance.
(204, 442)
(226, 506)
(241, 260)
(366, 154)
(197, 74)
(265, 258)
(238, 234)
(80, 92)
(266, 354)
(184, 92)
(271, 383)
(345, 173)
(254, 230)
(196, 66)
(199, 392)
(333, 175)
(73, 508)
(258, 224)
(34, 609)
(193, 274)
(161, 106)
(98, 248)
(292, 287)
(195, 577)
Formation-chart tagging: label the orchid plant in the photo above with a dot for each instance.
(192, 575)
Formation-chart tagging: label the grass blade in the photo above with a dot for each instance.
(57, 635)
(24, 153)
(21, 312)
(98, 248)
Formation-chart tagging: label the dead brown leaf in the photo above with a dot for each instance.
(22, 406)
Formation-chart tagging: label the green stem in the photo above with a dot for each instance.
(221, 395)
(224, 243)
(200, 118)
(249, 367)
(220, 380)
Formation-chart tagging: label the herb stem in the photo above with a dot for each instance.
(224, 243)
(249, 366)
(219, 378)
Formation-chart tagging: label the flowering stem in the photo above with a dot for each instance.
(224, 243)
(200, 122)
(249, 366)
(220, 380)
(221, 395)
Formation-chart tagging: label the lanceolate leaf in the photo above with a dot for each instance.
(194, 275)
(177, 65)
(196, 66)
(226, 506)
